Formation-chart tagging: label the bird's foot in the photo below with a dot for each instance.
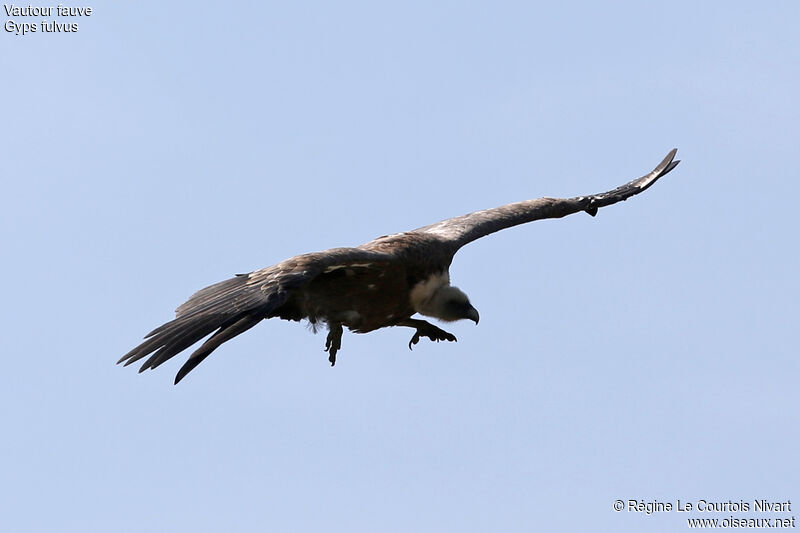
(432, 332)
(333, 343)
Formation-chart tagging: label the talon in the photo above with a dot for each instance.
(414, 340)
(432, 332)
(333, 342)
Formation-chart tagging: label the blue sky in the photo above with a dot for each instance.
(649, 353)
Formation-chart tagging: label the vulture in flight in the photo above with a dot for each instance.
(382, 283)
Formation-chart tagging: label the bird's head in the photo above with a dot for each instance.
(450, 303)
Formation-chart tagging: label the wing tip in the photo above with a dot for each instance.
(662, 169)
(667, 163)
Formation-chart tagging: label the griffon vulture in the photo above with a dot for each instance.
(379, 284)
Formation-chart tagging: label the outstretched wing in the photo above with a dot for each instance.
(461, 230)
(233, 306)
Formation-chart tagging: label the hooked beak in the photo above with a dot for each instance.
(473, 315)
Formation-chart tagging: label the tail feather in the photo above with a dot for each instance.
(225, 334)
(212, 298)
(181, 333)
(225, 309)
(194, 330)
(170, 332)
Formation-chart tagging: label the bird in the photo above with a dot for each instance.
(382, 283)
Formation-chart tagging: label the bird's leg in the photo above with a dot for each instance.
(333, 342)
(426, 329)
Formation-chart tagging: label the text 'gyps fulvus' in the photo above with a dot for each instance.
(379, 284)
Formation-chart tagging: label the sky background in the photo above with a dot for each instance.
(649, 353)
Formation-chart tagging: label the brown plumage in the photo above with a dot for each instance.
(379, 284)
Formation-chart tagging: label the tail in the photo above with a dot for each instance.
(230, 307)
